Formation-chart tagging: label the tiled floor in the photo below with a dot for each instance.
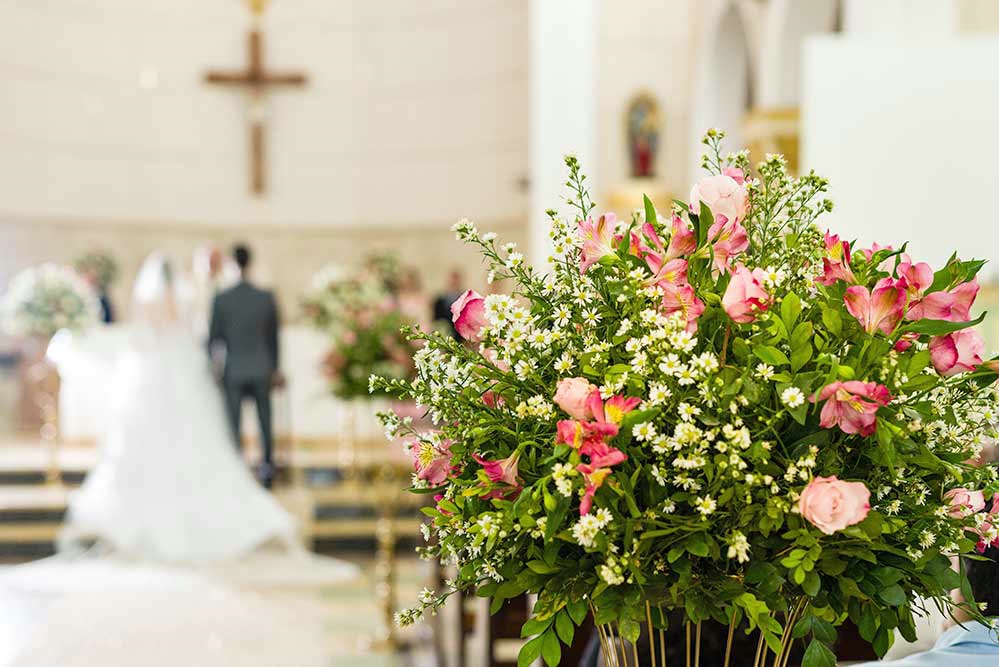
(173, 621)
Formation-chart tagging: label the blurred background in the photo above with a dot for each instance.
(341, 140)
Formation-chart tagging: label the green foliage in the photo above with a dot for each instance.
(702, 513)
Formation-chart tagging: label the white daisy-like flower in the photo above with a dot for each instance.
(671, 365)
(644, 431)
(705, 505)
(764, 371)
(792, 397)
(658, 393)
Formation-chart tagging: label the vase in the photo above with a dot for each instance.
(667, 639)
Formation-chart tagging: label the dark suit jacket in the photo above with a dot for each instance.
(245, 321)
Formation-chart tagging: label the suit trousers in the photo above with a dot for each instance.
(236, 390)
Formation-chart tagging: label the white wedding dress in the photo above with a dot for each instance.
(185, 536)
(170, 485)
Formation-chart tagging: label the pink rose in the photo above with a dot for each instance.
(852, 406)
(723, 196)
(745, 297)
(964, 503)
(469, 315)
(735, 174)
(830, 504)
(957, 352)
(572, 395)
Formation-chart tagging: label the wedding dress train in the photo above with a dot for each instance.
(172, 506)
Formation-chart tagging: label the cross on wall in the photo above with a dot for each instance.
(257, 80)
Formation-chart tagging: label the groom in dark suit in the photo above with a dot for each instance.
(245, 324)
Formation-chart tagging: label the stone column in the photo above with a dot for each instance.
(562, 114)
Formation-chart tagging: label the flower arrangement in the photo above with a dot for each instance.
(100, 265)
(44, 299)
(721, 412)
(357, 308)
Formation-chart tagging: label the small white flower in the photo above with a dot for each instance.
(764, 371)
(792, 397)
(705, 505)
(644, 431)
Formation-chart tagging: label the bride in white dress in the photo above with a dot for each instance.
(170, 485)
(188, 545)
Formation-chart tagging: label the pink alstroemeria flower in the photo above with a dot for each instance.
(852, 406)
(598, 239)
(613, 410)
(836, 263)
(957, 352)
(503, 472)
(918, 277)
(988, 531)
(576, 434)
(868, 253)
(964, 298)
(682, 299)
(598, 457)
(953, 306)
(432, 461)
(673, 271)
(728, 239)
(665, 261)
(879, 309)
(681, 240)
(745, 297)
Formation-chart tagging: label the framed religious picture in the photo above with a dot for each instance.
(643, 124)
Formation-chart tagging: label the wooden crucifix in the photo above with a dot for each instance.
(256, 79)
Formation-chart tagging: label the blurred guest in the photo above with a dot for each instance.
(442, 304)
(411, 300)
(93, 278)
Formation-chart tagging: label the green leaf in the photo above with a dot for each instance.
(771, 355)
(883, 641)
(650, 210)
(704, 222)
(577, 611)
(942, 327)
(892, 595)
(832, 320)
(541, 567)
(551, 650)
(790, 309)
(535, 626)
(564, 627)
(530, 652)
(630, 630)
(811, 584)
(697, 545)
(818, 655)
(824, 630)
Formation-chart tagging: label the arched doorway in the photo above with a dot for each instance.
(724, 82)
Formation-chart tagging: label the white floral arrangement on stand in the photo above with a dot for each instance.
(43, 299)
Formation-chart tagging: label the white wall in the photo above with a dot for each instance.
(644, 46)
(415, 111)
(907, 136)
